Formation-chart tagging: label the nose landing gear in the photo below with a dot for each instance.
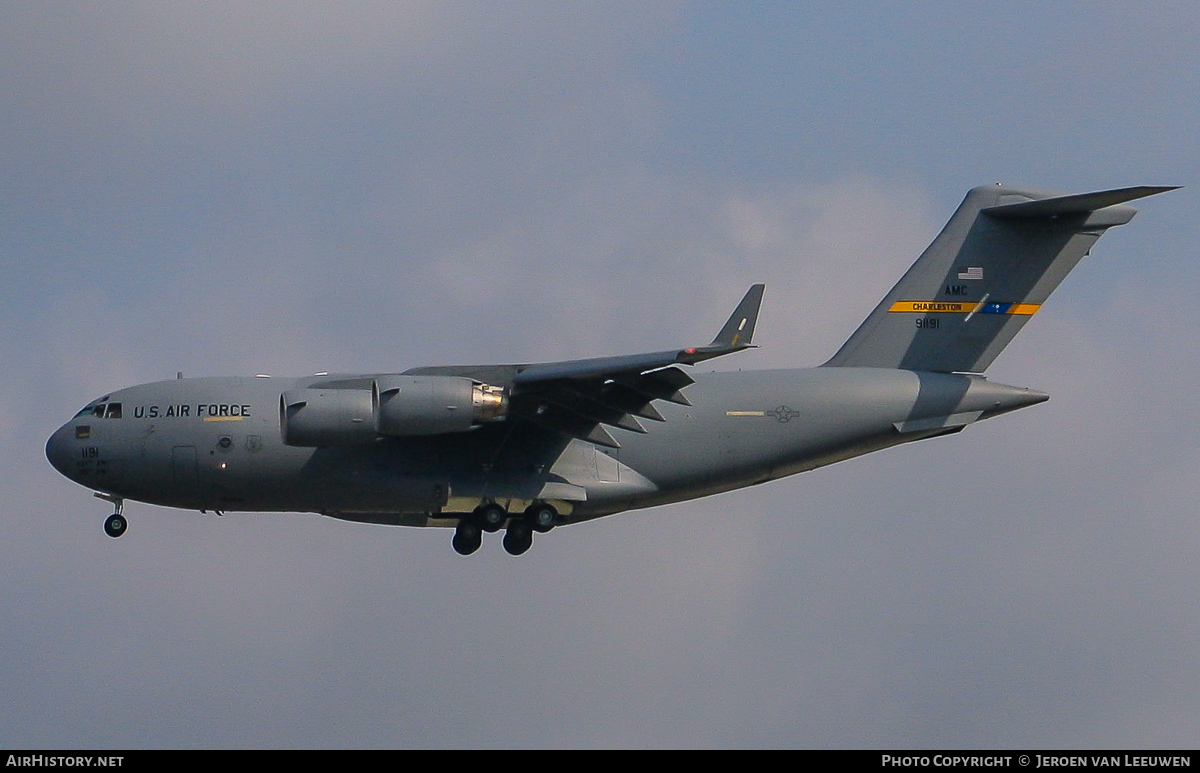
(115, 525)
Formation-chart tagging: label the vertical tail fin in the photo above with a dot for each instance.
(990, 269)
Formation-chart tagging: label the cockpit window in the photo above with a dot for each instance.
(101, 411)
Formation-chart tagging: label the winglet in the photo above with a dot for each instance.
(739, 329)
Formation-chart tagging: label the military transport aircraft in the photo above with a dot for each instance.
(528, 448)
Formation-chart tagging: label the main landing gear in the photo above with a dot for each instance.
(491, 517)
(115, 525)
(518, 537)
(468, 536)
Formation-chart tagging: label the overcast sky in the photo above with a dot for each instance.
(238, 188)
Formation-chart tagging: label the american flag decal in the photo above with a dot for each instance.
(971, 272)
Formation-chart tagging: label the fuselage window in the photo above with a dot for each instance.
(113, 412)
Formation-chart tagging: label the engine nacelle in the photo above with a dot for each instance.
(394, 406)
(433, 405)
(326, 417)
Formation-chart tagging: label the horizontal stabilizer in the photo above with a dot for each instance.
(1076, 204)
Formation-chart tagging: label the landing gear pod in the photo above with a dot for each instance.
(433, 405)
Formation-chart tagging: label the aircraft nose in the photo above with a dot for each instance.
(59, 449)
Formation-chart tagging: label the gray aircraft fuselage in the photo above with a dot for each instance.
(214, 444)
(528, 447)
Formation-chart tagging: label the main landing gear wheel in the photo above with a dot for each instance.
(518, 537)
(541, 517)
(467, 537)
(491, 516)
(115, 525)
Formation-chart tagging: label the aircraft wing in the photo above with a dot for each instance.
(580, 397)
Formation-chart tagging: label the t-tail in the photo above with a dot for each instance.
(988, 271)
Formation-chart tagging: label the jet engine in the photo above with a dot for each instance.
(433, 405)
(394, 406)
(326, 417)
